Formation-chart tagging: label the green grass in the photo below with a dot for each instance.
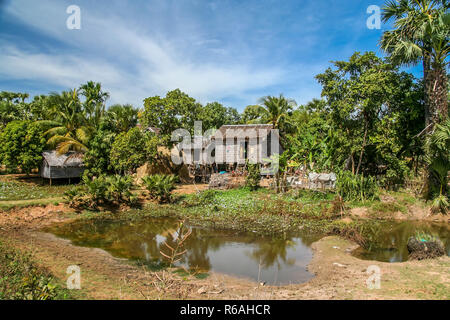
(398, 201)
(8, 205)
(17, 190)
(261, 212)
(21, 278)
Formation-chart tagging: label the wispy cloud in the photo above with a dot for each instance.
(228, 51)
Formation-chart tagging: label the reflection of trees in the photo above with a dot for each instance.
(388, 242)
(273, 252)
(138, 240)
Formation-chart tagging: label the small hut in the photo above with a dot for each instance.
(65, 166)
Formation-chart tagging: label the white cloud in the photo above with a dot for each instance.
(133, 62)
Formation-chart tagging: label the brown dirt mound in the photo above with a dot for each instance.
(33, 217)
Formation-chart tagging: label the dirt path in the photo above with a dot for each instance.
(338, 274)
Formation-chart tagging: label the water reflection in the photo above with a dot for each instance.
(275, 261)
(388, 242)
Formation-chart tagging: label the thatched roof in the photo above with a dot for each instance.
(70, 159)
(261, 130)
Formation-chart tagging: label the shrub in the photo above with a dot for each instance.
(119, 189)
(22, 279)
(437, 148)
(160, 186)
(202, 198)
(253, 177)
(356, 187)
(112, 190)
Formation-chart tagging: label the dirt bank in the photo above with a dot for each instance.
(338, 274)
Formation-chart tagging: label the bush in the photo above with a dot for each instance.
(21, 145)
(437, 148)
(202, 198)
(356, 187)
(160, 186)
(113, 190)
(22, 279)
(253, 177)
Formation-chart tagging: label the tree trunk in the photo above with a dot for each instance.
(362, 148)
(426, 68)
(437, 94)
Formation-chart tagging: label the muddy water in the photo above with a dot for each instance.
(264, 259)
(388, 242)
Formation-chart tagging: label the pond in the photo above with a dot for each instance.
(388, 242)
(275, 261)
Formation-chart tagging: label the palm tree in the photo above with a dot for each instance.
(70, 130)
(437, 146)
(275, 110)
(122, 117)
(421, 33)
(95, 101)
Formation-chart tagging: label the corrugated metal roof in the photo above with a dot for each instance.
(70, 159)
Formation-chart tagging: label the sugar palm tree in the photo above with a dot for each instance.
(421, 34)
(122, 117)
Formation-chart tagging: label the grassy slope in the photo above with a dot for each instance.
(22, 278)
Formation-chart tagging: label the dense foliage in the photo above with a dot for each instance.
(356, 187)
(103, 190)
(21, 145)
(178, 110)
(371, 120)
(132, 149)
(160, 186)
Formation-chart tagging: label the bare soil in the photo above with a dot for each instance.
(414, 212)
(190, 188)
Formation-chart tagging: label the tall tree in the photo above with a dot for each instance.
(13, 107)
(214, 115)
(421, 34)
(94, 105)
(70, 130)
(252, 115)
(275, 110)
(122, 117)
(175, 110)
(364, 100)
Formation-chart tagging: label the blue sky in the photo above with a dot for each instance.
(229, 51)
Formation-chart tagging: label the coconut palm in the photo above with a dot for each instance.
(70, 130)
(421, 33)
(275, 110)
